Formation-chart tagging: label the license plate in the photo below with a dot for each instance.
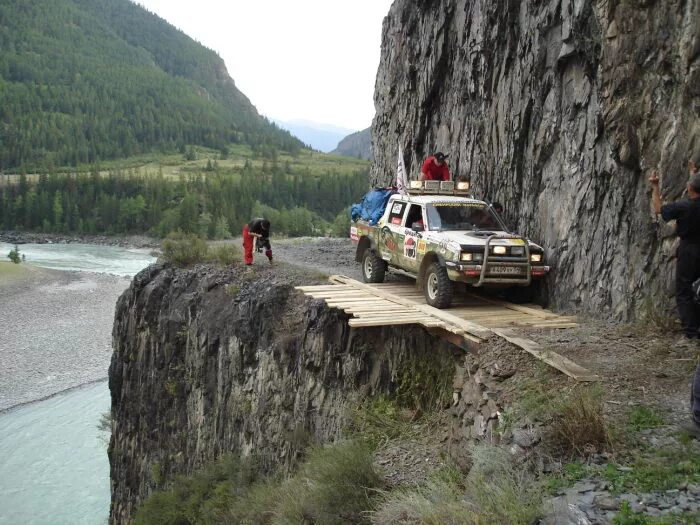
(505, 270)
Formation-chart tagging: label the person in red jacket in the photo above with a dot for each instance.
(435, 168)
(256, 229)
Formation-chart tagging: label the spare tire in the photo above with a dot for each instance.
(373, 267)
(437, 287)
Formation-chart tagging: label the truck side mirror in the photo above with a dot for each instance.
(417, 227)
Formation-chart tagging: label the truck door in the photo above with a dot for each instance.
(391, 234)
(412, 240)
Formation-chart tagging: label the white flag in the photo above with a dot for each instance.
(401, 180)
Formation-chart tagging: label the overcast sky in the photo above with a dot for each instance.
(295, 59)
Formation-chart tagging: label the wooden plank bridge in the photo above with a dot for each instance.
(471, 319)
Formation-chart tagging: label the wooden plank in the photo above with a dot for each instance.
(544, 314)
(373, 322)
(553, 359)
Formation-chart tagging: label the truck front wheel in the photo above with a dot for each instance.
(373, 267)
(437, 287)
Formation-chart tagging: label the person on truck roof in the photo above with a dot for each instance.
(256, 232)
(435, 168)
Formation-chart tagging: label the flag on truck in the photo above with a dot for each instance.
(401, 179)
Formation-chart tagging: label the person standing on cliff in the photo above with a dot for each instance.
(256, 232)
(686, 213)
(435, 168)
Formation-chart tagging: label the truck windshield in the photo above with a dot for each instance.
(452, 216)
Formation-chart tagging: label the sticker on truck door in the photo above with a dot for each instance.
(409, 248)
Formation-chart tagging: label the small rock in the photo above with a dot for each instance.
(584, 487)
(607, 503)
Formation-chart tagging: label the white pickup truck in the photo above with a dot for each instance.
(441, 236)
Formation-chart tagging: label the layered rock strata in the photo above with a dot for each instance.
(558, 109)
(208, 362)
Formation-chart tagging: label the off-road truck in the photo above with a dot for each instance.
(441, 236)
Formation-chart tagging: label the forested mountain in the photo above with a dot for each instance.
(357, 145)
(88, 80)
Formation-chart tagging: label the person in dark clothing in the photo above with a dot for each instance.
(686, 213)
(256, 232)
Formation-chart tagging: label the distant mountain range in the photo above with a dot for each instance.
(358, 145)
(323, 137)
(86, 80)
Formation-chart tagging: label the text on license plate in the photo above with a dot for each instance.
(505, 270)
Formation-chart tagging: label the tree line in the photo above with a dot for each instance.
(213, 205)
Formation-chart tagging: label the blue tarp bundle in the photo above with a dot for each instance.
(372, 206)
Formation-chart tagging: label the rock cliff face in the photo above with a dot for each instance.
(208, 362)
(558, 109)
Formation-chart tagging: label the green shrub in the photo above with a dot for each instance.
(578, 426)
(642, 417)
(334, 485)
(14, 255)
(494, 492)
(184, 249)
(224, 254)
(341, 225)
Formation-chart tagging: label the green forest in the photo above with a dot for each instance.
(83, 81)
(212, 204)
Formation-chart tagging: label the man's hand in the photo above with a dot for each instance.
(654, 178)
(692, 168)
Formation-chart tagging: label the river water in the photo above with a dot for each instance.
(54, 353)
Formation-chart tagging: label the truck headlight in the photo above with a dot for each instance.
(499, 250)
(466, 256)
(536, 257)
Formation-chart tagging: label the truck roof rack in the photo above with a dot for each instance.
(437, 187)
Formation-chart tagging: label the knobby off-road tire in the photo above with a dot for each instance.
(437, 287)
(373, 267)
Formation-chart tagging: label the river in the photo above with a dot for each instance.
(55, 335)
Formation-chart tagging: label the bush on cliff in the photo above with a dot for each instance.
(186, 249)
(334, 485)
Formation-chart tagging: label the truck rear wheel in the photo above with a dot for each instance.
(373, 267)
(437, 286)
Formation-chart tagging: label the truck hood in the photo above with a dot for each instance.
(472, 238)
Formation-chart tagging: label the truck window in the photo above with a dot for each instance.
(396, 213)
(415, 214)
(461, 216)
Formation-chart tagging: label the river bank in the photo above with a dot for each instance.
(123, 241)
(56, 330)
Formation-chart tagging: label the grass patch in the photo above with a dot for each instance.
(642, 418)
(186, 249)
(379, 420)
(496, 491)
(335, 484)
(11, 272)
(578, 427)
(667, 470)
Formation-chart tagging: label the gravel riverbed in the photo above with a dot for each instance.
(55, 332)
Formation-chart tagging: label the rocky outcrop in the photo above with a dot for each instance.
(208, 362)
(357, 145)
(558, 109)
(214, 361)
